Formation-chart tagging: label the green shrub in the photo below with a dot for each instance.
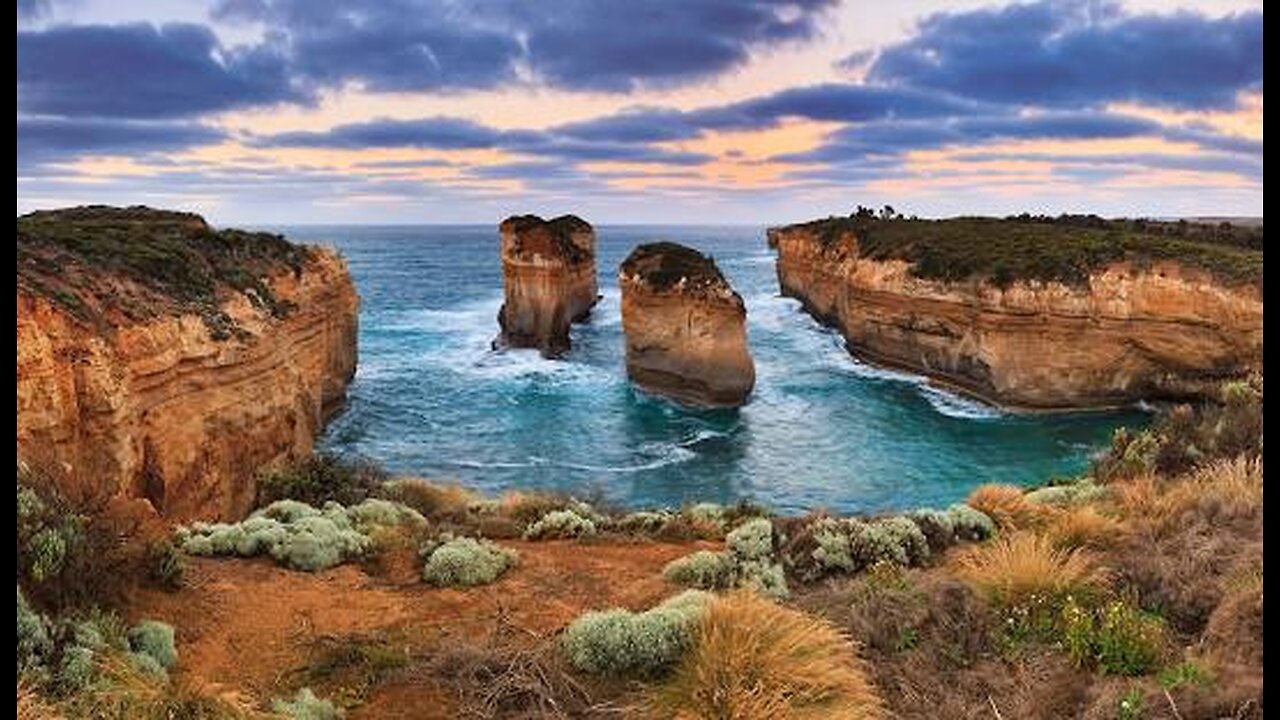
(624, 643)
(833, 551)
(34, 643)
(1131, 705)
(969, 523)
(298, 535)
(703, 569)
(706, 570)
(752, 540)
(154, 638)
(1068, 493)
(645, 522)
(763, 576)
(706, 513)
(1118, 638)
(306, 706)
(77, 670)
(937, 527)
(895, 539)
(560, 524)
(319, 479)
(1184, 674)
(147, 664)
(166, 565)
(466, 562)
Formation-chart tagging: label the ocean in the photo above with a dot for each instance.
(822, 430)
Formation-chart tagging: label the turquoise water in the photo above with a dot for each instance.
(822, 429)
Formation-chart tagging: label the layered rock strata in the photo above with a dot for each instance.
(163, 381)
(1151, 330)
(685, 327)
(549, 281)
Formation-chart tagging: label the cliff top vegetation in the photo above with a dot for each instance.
(143, 262)
(554, 236)
(663, 264)
(1065, 248)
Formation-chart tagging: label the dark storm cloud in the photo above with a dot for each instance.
(444, 133)
(440, 133)
(143, 71)
(407, 45)
(620, 45)
(880, 138)
(1079, 53)
(42, 140)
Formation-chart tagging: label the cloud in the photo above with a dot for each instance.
(445, 133)
(143, 71)
(43, 140)
(415, 45)
(619, 46)
(838, 102)
(439, 133)
(1079, 53)
(858, 142)
(33, 9)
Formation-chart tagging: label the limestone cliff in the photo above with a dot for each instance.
(160, 359)
(685, 327)
(549, 280)
(1133, 329)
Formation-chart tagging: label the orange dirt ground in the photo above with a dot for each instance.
(248, 625)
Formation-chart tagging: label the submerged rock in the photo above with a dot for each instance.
(549, 280)
(685, 327)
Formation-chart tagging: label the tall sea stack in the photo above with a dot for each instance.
(685, 327)
(549, 280)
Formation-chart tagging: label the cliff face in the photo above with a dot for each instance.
(1163, 330)
(156, 407)
(549, 281)
(685, 327)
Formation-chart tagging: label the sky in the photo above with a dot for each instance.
(644, 111)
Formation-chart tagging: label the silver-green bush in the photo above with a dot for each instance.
(466, 562)
(34, 643)
(894, 539)
(703, 569)
(752, 540)
(76, 670)
(645, 521)
(705, 513)
(969, 523)
(1067, 494)
(306, 706)
(560, 524)
(155, 639)
(834, 540)
(298, 535)
(620, 642)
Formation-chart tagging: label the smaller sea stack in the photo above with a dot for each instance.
(685, 327)
(549, 280)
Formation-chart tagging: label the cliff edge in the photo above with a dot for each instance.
(161, 359)
(1036, 313)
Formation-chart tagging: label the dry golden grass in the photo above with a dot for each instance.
(1226, 488)
(430, 498)
(33, 706)
(1009, 507)
(1020, 564)
(756, 659)
(125, 692)
(1218, 492)
(1083, 527)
